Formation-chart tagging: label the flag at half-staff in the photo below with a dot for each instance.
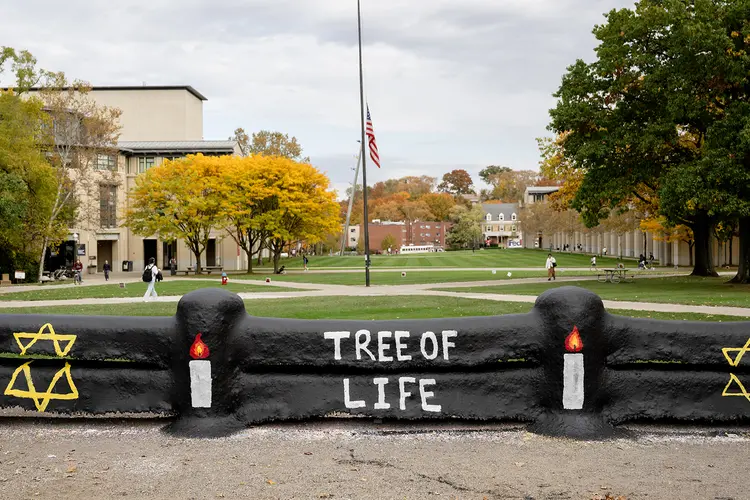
(370, 131)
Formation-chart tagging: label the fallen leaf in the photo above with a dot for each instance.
(519, 464)
(269, 481)
(308, 453)
(71, 469)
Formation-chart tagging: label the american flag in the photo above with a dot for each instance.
(371, 139)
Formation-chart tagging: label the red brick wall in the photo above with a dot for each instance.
(378, 232)
(409, 234)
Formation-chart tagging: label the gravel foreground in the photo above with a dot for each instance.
(362, 460)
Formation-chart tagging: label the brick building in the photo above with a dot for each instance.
(403, 233)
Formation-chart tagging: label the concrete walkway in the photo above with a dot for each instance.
(319, 290)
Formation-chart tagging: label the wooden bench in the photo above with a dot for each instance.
(208, 269)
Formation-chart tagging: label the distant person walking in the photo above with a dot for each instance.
(78, 269)
(593, 263)
(305, 261)
(107, 268)
(551, 265)
(150, 275)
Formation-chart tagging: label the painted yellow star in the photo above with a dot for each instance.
(742, 391)
(56, 338)
(41, 399)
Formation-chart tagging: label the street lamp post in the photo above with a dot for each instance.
(75, 247)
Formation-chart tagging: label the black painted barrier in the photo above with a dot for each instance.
(568, 367)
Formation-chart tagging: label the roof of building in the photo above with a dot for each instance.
(495, 209)
(177, 146)
(150, 87)
(542, 189)
(138, 87)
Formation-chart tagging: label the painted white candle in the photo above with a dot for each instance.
(200, 383)
(573, 382)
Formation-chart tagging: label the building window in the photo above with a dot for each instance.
(427, 235)
(144, 163)
(513, 228)
(106, 162)
(488, 217)
(107, 206)
(513, 217)
(354, 240)
(352, 230)
(502, 216)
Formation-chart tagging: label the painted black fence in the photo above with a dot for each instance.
(568, 367)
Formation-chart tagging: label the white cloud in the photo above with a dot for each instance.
(451, 83)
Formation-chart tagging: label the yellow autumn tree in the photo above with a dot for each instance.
(662, 231)
(306, 208)
(180, 199)
(247, 200)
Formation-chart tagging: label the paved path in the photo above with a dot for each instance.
(315, 290)
(347, 460)
(325, 290)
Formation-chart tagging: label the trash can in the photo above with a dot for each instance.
(127, 265)
(91, 270)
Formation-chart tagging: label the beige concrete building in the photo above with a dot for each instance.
(158, 123)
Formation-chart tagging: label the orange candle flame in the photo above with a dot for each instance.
(199, 350)
(573, 342)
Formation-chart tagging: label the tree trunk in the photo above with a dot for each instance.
(276, 258)
(249, 262)
(41, 261)
(731, 242)
(702, 231)
(743, 272)
(197, 253)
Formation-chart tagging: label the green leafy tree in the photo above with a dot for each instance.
(388, 242)
(487, 174)
(662, 112)
(268, 143)
(467, 227)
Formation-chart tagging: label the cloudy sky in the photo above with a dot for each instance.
(451, 83)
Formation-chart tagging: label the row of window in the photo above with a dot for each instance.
(501, 217)
(109, 162)
(499, 228)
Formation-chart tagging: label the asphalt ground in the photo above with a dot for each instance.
(353, 459)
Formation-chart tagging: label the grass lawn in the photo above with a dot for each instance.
(165, 288)
(412, 277)
(516, 258)
(675, 290)
(366, 308)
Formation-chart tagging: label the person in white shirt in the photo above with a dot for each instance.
(551, 264)
(593, 261)
(151, 291)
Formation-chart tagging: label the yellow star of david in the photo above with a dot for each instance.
(56, 338)
(41, 399)
(742, 391)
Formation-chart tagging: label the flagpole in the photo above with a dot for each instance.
(365, 217)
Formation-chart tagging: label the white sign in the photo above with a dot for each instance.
(388, 347)
(20, 275)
